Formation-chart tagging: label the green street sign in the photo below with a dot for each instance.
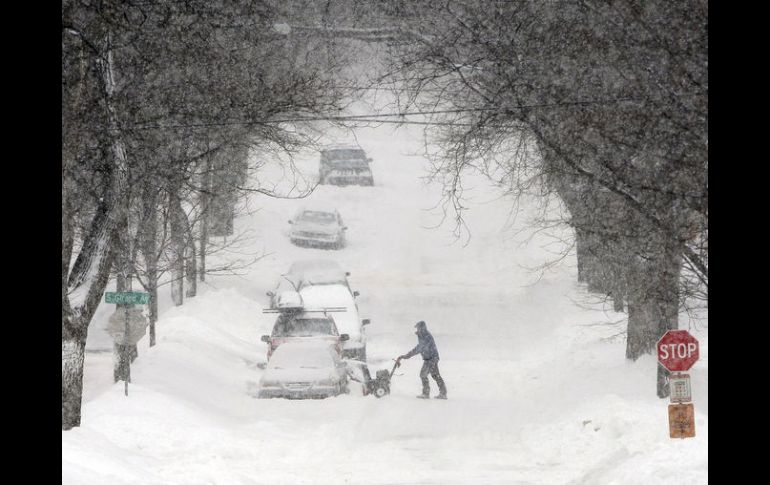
(127, 298)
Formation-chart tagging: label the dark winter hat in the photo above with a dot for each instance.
(421, 325)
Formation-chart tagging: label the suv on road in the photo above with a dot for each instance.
(345, 166)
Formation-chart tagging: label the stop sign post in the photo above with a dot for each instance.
(677, 352)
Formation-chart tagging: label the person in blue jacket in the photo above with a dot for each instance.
(427, 347)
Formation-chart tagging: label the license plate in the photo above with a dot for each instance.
(298, 386)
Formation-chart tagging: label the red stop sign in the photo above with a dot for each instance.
(677, 350)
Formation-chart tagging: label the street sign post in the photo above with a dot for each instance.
(677, 350)
(133, 323)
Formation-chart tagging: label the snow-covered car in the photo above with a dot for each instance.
(318, 227)
(298, 325)
(345, 165)
(308, 272)
(302, 370)
(348, 321)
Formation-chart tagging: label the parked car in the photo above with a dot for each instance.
(345, 166)
(308, 272)
(348, 321)
(302, 370)
(321, 227)
(298, 324)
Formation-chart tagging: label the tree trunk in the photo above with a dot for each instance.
(204, 232)
(601, 279)
(72, 357)
(580, 249)
(191, 269)
(618, 278)
(592, 264)
(642, 325)
(618, 296)
(148, 233)
(122, 355)
(150, 248)
(178, 243)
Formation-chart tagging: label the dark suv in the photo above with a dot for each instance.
(345, 166)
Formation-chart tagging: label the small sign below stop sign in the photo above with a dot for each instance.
(677, 350)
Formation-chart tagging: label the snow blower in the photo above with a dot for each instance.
(380, 385)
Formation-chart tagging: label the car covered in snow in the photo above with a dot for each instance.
(302, 370)
(318, 227)
(296, 324)
(345, 165)
(309, 272)
(348, 321)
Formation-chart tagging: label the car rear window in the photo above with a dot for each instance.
(303, 327)
(343, 154)
(316, 216)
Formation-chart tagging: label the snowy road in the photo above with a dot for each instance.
(538, 393)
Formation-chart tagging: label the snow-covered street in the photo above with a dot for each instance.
(539, 388)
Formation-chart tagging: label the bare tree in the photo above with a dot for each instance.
(612, 95)
(144, 86)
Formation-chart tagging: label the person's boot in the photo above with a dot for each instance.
(425, 389)
(441, 396)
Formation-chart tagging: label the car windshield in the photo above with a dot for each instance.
(317, 217)
(303, 327)
(343, 154)
(352, 164)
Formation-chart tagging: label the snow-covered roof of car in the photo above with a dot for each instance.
(333, 295)
(316, 272)
(318, 208)
(341, 147)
